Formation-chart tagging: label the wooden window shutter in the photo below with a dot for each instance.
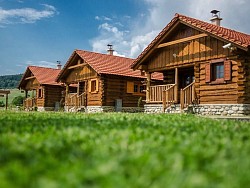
(130, 87)
(227, 70)
(208, 72)
(97, 85)
(89, 85)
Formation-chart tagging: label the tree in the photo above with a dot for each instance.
(18, 100)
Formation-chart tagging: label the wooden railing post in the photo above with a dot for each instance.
(164, 98)
(182, 99)
(148, 87)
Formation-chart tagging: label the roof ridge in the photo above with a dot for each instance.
(181, 15)
(99, 53)
(43, 67)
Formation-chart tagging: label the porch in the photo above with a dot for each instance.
(75, 102)
(181, 93)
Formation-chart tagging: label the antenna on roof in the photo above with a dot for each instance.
(110, 49)
(215, 17)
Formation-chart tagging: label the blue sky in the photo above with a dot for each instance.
(42, 32)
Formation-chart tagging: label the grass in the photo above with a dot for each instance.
(122, 150)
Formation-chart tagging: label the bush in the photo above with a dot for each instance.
(18, 101)
(2, 104)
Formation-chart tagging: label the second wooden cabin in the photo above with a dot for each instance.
(103, 83)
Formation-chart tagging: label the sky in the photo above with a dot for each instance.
(43, 32)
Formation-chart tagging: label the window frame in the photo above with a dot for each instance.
(95, 90)
(135, 88)
(211, 74)
(40, 93)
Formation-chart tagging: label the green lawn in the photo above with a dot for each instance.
(122, 150)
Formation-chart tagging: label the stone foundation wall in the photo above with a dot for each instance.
(153, 108)
(209, 109)
(222, 109)
(43, 109)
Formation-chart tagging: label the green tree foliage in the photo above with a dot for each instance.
(10, 81)
(2, 104)
(18, 100)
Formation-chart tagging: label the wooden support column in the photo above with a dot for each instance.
(6, 105)
(176, 85)
(148, 87)
(67, 90)
(78, 88)
(26, 94)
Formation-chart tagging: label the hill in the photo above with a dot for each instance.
(10, 81)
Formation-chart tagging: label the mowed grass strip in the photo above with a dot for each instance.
(122, 150)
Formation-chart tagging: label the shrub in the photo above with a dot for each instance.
(18, 101)
(2, 104)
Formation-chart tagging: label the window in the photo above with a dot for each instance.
(142, 88)
(40, 93)
(135, 87)
(93, 86)
(218, 71)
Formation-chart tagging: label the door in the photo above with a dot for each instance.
(186, 77)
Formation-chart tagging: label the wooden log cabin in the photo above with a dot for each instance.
(105, 83)
(41, 90)
(205, 67)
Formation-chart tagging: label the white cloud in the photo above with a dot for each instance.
(26, 15)
(101, 18)
(41, 64)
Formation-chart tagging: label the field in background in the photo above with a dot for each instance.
(122, 150)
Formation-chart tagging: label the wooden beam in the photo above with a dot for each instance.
(6, 105)
(148, 87)
(4, 91)
(176, 84)
(31, 77)
(78, 65)
(182, 40)
(1, 95)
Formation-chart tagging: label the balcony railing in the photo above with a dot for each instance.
(188, 96)
(29, 103)
(156, 93)
(75, 100)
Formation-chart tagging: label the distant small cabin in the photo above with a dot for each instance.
(104, 83)
(205, 68)
(41, 90)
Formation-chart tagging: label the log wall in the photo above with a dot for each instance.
(223, 93)
(52, 94)
(115, 87)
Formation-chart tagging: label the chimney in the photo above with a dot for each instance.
(110, 49)
(215, 17)
(59, 66)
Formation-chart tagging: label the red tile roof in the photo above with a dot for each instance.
(106, 64)
(238, 38)
(45, 76)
